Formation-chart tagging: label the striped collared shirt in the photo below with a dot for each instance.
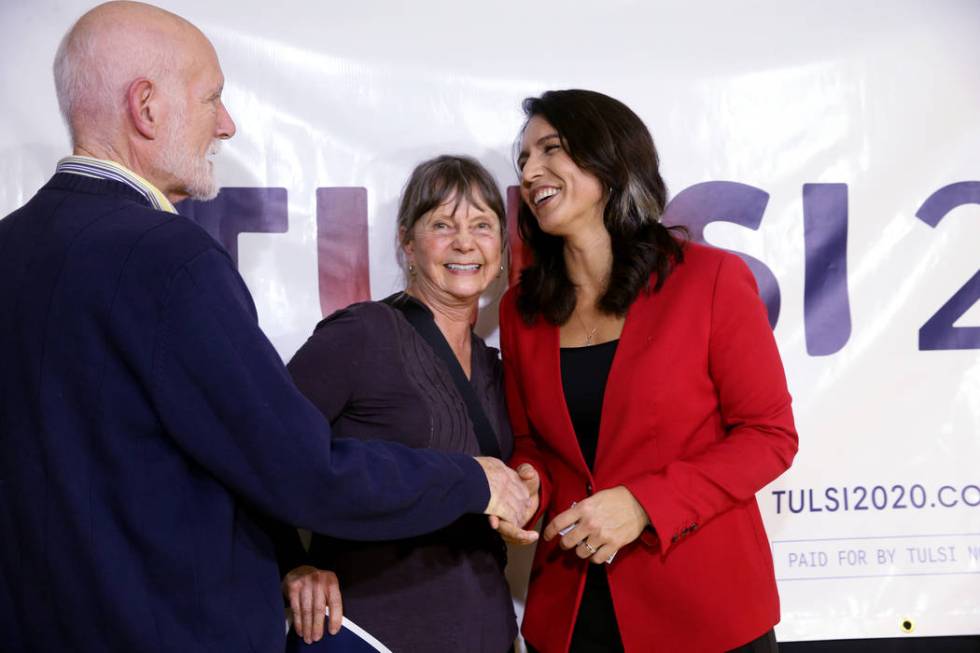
(102, 169)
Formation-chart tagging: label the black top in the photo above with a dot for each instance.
(584, 371)
(374, 377)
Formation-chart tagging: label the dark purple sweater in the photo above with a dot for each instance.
(374, 377)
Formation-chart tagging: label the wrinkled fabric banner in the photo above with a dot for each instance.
(834, 145)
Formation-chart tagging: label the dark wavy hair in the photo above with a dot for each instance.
(605, 138)
(436, 181)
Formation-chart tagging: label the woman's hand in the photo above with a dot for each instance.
(310, 591)
(599, 526)
(514, 533)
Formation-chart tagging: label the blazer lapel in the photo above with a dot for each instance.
(545, 358)
(628, 381)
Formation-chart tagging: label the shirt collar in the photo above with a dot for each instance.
(103, 169)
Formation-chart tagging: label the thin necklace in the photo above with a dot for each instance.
(589, 333)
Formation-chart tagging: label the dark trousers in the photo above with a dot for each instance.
(596, 630)
(765, 644)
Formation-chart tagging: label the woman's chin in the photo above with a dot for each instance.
(458, 293)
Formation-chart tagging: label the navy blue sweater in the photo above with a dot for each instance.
(148, 428)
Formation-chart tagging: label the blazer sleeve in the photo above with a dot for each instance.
(526, 449)
(226, 399)
(760, 438)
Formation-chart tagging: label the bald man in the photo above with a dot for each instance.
(147, 426)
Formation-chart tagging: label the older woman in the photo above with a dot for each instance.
(410, 369)
(646, 391)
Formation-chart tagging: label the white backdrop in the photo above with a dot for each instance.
(882, 97)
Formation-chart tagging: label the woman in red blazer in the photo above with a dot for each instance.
(647, 398)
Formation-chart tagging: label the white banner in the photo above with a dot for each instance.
(836, 143)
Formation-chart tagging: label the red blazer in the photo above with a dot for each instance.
(696, 419)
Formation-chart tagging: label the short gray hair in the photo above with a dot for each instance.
(93, 69)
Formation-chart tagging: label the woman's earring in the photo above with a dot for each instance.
(411, 270)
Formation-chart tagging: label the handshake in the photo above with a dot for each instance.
(513, 499)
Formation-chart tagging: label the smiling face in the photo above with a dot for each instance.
(562, 196)
(454, 251)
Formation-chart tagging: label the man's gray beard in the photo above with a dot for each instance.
(180, 162)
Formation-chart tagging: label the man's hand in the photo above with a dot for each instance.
(511, 532)
(599, 526)
(310, 591)
(509, 498)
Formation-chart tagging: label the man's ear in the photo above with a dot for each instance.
(142, 101)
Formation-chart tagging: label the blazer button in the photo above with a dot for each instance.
(588, 488)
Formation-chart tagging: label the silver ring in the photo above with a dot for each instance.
(610, 559)
(591, 549)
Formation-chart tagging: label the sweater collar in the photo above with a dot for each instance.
(87, 166)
